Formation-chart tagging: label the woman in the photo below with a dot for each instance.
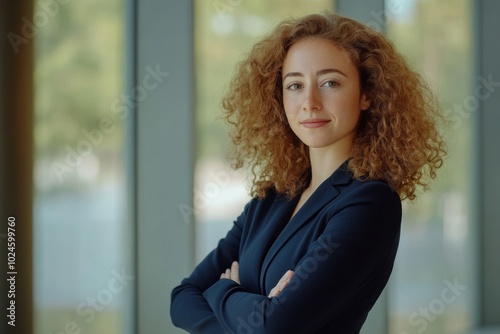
(337, 131)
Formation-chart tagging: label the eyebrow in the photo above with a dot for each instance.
(318, 73)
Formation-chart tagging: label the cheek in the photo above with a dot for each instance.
(288, 109)
(289, 118)
(290, 106)
(290, 115)
(347, 102)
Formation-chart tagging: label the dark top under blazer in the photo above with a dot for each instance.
(341, 244)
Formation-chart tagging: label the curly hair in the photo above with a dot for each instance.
(397, 138)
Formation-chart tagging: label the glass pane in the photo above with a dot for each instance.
(432, 288)
(224, 31)
(83, 272)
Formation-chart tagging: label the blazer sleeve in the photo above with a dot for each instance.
(355, 250)
(189, 310)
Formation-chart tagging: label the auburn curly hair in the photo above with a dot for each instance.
(397, 138)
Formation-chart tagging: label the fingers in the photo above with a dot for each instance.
(283, 282)
(233, 273)
(226, 274)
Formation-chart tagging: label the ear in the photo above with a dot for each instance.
(364, 102)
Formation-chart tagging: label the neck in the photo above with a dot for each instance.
(324, 161)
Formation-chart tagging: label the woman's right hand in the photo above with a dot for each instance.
(283, 282)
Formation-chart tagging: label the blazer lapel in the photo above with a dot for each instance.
(325, 193)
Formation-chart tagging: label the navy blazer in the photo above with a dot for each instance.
(341, 244)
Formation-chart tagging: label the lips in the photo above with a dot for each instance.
(314, 123)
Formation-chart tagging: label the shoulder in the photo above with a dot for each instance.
(271, 196)
(373, 190)
(366, 204)
(362, 190)
(260, 205)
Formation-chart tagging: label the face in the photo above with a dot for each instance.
(321, 94)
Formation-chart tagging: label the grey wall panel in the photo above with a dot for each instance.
(165, 123)
(489, 162)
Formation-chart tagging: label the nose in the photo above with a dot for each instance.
(312, 100)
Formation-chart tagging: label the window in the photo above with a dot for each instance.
(83, 246)
(432, 287)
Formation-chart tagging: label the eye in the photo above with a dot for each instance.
(330, 83)
(294, 86)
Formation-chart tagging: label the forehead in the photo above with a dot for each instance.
(314, 53)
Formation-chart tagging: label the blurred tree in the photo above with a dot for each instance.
(79, 72)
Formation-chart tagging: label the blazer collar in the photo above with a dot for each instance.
(325, 193)
(342, 175)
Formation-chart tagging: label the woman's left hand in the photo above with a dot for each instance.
(232, 273)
